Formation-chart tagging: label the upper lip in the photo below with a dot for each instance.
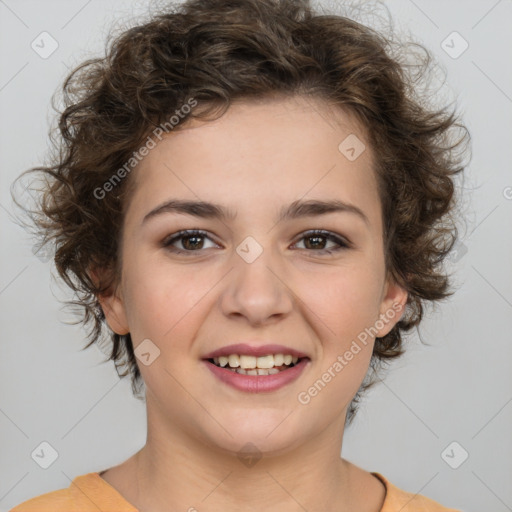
(254, 350)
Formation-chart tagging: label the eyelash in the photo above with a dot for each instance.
(308, 234)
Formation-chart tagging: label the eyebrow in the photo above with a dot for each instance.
(295, 210)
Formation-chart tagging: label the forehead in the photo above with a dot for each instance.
(261, 153)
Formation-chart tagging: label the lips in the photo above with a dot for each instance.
(255, 350)
(292, 363)
(258, 383)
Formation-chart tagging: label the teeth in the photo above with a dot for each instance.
(234, 361)
(257, 371)
(278, 360)
(244, 364)
(247, 362)
(265, 362)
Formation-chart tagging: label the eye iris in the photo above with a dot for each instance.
(315, 237)
(194, 241)
(192, 237)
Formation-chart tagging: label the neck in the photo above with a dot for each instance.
(175, 471)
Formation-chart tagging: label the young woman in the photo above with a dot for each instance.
(252, 203)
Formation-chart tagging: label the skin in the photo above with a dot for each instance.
(257, 158)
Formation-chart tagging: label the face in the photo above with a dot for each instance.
(255, 277)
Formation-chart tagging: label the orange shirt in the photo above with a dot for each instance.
(90, 493)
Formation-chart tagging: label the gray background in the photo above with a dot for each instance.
(458, 389)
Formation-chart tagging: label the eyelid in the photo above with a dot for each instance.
(343, 242)
(330, 235)
(167, 241)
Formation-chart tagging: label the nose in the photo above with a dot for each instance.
(257, 290)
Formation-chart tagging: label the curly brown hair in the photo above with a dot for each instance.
(219, 51)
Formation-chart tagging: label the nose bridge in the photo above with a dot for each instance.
(256, 289)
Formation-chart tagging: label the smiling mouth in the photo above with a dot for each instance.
(250, 365)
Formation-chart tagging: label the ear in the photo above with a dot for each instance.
(392, 306)
(112, 304)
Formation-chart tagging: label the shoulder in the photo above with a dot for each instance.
(399, 500)
(56, 501)
(86, 493)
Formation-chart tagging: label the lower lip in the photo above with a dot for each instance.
(258, 383)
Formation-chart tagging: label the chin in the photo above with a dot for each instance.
(261, 432)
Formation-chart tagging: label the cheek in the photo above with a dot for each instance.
(347, 301)
(162, 299)
(146, 299)
(347, 306)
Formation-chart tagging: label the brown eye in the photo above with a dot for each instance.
(190, 240)
(317, 240)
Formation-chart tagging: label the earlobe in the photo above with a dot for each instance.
(392, 307)
(113, 308)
